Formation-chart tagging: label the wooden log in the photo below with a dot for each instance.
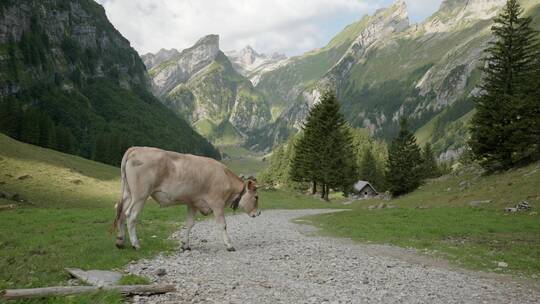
(13, 294)
(7, 207)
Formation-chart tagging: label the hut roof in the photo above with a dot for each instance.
(360, 185)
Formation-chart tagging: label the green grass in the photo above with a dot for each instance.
(66, 216)
(242, 161)
(438, 219)
(131, 279)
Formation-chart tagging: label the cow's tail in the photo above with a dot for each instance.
(125, 190)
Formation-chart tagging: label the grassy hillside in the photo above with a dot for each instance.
(84, 93)
(460, 217)
(66, 213)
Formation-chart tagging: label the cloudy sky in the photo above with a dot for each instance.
(285, 26)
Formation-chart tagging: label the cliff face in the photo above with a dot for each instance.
(384, 68)
(55, 33)
(64, 60)
(201, 85)
(253, 65)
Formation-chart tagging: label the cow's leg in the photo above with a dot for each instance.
(131, 215)
(222, 225)
(121, 224)
(190, 222)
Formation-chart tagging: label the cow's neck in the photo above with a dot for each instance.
(236, 201)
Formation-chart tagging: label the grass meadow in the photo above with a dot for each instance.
(67, 211)
(459, 217)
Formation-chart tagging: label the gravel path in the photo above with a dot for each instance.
(278, 261)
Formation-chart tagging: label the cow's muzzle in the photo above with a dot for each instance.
(255, 214)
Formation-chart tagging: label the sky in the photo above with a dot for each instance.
(290, 27)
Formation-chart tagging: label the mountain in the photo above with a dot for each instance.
(201, 85)
(252, 64)
(384, 68)
(69, 80)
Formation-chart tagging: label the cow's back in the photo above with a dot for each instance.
(184, 177)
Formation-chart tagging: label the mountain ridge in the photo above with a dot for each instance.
(70, 81)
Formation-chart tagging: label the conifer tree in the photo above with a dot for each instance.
(404, 171)
(324, 153)
(430, 168)
(504, 128)
(368, 169)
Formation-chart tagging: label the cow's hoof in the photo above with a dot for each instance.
(186, 248)
(231, 249)
(120, 245)
(136, 247)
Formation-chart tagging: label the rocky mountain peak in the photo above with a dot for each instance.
(151, 60)
(454, 12)
(248, 55)
(211, 40)
(252, 64)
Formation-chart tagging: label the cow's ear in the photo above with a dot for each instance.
(251, 185)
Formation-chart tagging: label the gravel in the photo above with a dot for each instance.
(278, 261)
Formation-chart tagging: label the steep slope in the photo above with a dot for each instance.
(252, 64)
(201, 85)
(70, 81)
(294, 87)
(391, 69)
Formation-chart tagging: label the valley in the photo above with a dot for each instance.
(384, 169)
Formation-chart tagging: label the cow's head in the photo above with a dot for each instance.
(250, 200)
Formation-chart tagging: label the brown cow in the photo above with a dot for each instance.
(203, 184)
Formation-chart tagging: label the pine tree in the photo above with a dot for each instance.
(368, 169)
(46, 127)
(404, 171)
(503, 129)
(30, 127)
(324, 153)
(304, 161)
(101, 150)
(430, 168)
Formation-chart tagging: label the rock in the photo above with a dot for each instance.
(520, 207)
(533, 213)
(524, 206)
(381, 206)
(502, 265)
(96, 277)
(161, 272)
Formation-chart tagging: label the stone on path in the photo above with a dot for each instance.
(96, 277)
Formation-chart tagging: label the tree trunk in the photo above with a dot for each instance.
(327, 193)
(323, 190)
(314, 188)
(13, 294)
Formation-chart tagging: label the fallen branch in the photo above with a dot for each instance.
(7, 207)
(13, 294)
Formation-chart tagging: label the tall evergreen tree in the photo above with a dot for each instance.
(503, 130)
(368, 169)
(324, 154)
(430, 168)
(404, 166)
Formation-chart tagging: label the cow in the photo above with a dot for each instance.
(203, 184)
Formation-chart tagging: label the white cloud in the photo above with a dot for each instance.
(287, 26)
